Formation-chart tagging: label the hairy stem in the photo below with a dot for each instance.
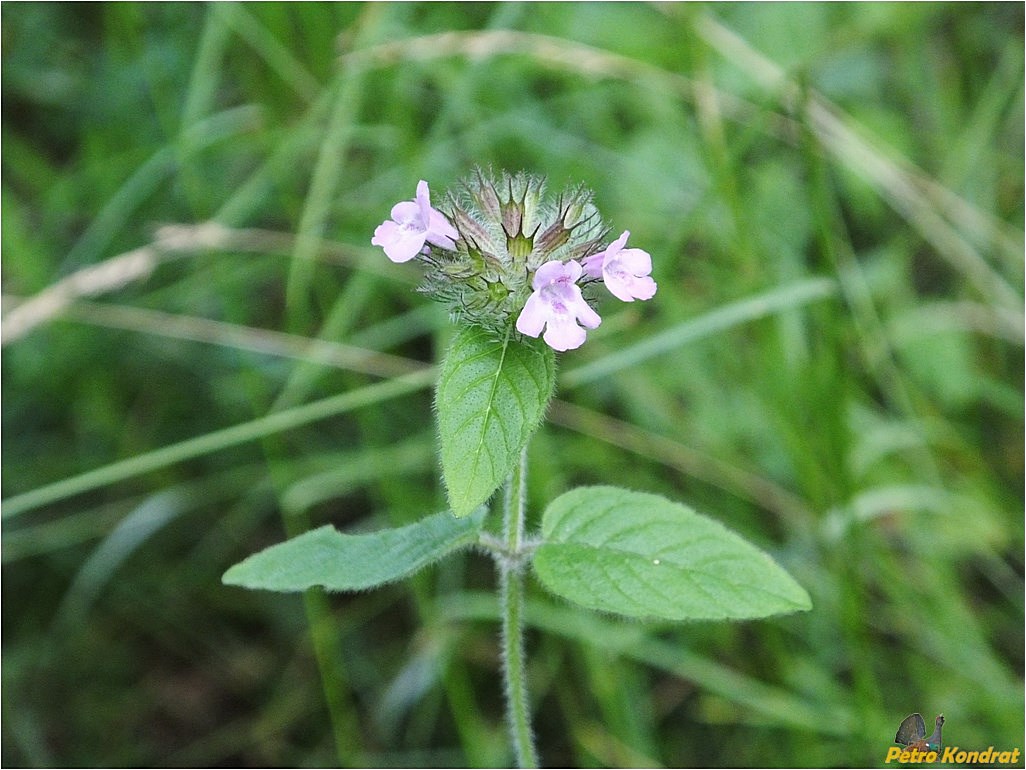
(511, 591)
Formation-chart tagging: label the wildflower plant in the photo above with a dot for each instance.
(514, 265)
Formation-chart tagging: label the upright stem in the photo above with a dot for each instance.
(511, 590)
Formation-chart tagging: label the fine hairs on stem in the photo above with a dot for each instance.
(511, 592)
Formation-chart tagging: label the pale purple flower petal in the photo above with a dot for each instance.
(635, 261)
(558, 306)
(626, 283)
(593, 265)
(413, 223)
(409, 212)
(585, 313)
(556, 271)
(401, 243)
(563, 334)
(423, 198)
(624, 271)
(532, 318)
(440, 232)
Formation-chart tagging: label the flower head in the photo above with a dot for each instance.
(501, 253)
(413, 223)
(624, 271)
(508, 227)
(557, 304)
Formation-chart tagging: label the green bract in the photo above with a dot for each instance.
(508, 228)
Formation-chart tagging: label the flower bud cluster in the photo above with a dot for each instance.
(499, 249)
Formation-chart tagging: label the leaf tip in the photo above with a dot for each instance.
(235, 575)
(804, 601)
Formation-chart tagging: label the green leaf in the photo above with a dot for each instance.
(491, 396)
(326, 557)
(642, 555)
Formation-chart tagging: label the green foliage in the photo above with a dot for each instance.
(644, 556)
(490, 398)
(340, 562)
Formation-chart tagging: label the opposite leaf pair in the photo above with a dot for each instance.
(604, 548)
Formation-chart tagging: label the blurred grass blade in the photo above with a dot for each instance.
(205, 78)
(328, 170)
(279, 58)
(778, 300)
(151, 175)
(170, 242)
(26, 539)
(896, 180)
(131, 532)
(637, 642)
(338, 355)
(416, 454)
(216, 441)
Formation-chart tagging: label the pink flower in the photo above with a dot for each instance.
(413, 223)
(558, 304)
(624, 271)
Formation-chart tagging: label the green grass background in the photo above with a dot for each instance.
(855, 168)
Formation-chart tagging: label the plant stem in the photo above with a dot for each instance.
(511, 591)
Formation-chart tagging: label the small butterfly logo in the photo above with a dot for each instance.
(912, 733)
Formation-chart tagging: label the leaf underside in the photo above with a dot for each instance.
(340, 562)
(641, 555)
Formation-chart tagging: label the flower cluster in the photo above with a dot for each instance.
(498, 248)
